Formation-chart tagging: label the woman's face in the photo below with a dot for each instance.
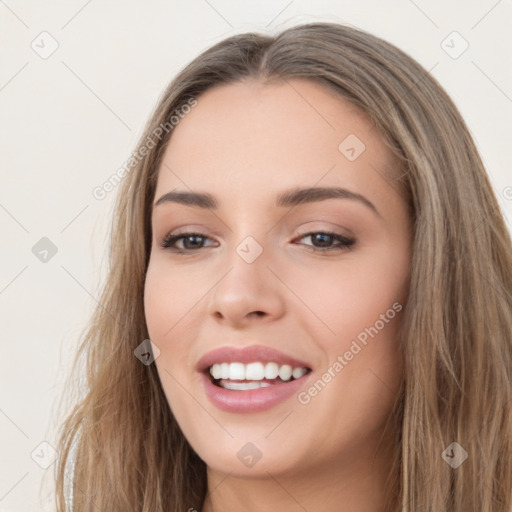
(250, 294)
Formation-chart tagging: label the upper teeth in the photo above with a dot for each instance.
(255, 371)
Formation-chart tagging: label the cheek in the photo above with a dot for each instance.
(168, 301)
(166, 306)
(364, 367)
(360, 305)
(173, 302)
(345, 299)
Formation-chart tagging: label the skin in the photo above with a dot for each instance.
(244, 143)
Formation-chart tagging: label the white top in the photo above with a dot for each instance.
(69, 474)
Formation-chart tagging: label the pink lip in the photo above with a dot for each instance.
(253, 400)
(247, 355)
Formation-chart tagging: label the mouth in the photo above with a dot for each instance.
(251, 379)
(238, 376)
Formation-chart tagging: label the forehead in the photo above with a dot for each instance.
(251, 137)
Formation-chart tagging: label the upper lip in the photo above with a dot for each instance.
(247, 355)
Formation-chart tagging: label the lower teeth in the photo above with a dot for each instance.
(246, 385)
(243, 386)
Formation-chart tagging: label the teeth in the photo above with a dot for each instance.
(244, 386)
(255, 371)
(285, 372)
(216, 371)
(237, 371)
(271, 370)
(298, 372)
(224, 370)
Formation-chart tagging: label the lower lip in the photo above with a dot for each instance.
(252, 400)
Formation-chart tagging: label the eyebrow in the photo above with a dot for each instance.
(293, 197)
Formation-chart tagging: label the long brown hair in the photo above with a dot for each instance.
(457, 323)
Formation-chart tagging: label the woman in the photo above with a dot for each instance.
(309, 298)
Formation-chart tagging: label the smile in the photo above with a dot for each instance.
(242, 377)
(251, 379)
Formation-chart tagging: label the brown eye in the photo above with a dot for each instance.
(322, 242)
(325, 239)
(191, 242)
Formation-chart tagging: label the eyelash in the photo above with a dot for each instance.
(345, 243)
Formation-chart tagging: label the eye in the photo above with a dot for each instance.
(169, 242)
(325, 238)
(195, 241)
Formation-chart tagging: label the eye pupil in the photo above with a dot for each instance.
(192, 237)
(323, 236)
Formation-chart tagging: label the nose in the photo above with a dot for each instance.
(247, 293)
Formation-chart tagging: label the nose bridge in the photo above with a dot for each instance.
(251, 237)
(252, 246)
(247, 264)
(247, 285)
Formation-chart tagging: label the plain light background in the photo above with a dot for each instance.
(71, 119)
